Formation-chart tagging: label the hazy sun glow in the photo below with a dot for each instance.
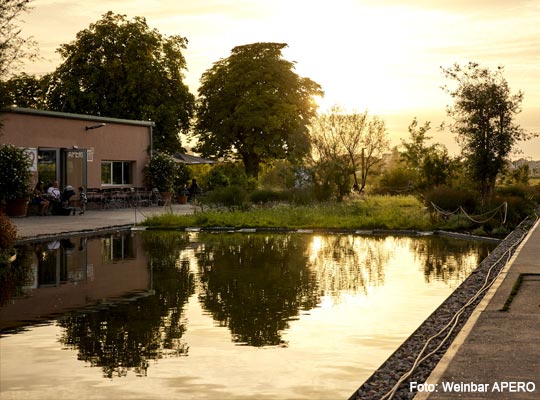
(383, 56)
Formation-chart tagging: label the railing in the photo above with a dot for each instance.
(122, 198)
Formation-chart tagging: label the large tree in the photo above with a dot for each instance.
(483, 112)
(121, 68)
(253, 106)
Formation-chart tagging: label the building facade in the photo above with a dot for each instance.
(80, 150)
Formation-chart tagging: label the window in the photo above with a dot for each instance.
(117, 248)
(116, 172)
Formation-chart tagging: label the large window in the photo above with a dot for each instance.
(116, 172)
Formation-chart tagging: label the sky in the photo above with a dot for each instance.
(383, 56)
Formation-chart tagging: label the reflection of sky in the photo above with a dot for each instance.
(329, 350)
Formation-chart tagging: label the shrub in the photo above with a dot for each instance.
(230, 196)
(15, 174)
(161, 172)
(450, 199)
(8, 232)
(267, 196)
(395, 181)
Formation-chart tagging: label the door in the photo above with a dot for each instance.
(74, 168)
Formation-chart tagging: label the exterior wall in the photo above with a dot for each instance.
(116, 141)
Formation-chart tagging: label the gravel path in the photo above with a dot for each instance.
(381, 383)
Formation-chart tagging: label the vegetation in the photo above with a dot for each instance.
(161, 172)
(484, 121)
(344, 143)
(122, 68)
(15, 175)
(253, 106)
(378, 212)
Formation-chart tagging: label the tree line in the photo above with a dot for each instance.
(252, 106)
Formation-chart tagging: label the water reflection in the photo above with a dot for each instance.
(127, 335)
(122, 300)
(255, 284)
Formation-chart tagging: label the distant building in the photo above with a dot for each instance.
(534, 166)
(80, 150)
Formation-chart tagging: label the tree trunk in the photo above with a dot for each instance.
(251, 165)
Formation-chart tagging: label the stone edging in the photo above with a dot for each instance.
(400, 362)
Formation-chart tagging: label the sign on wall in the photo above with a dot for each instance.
(33, 156)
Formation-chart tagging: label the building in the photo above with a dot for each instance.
(80, 150)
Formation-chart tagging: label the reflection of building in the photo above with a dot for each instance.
(71, 274)
(74, 149)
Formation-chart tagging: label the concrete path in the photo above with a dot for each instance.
(497, 353)
(42, 227)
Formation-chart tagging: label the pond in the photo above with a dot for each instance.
(193, 315)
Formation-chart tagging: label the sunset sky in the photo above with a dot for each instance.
(380, 55)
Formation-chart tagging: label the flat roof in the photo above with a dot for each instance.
(56, 114)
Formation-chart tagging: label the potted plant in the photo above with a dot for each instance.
(15, 180)
(183, 175)
(160, 173)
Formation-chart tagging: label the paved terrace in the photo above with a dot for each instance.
(91, 220)
(497, 353)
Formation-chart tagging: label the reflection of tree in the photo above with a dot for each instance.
(255, 283)
(347, 262)
(448, 259)
(127, 334)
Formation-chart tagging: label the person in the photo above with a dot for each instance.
(40, 200)
(54, 192)
(83, 199)
(193, 189)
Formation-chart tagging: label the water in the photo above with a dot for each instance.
(217, 316)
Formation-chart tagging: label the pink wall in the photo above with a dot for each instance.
(116, 141)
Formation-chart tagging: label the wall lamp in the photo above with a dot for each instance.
(95, 126)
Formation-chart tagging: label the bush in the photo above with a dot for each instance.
(15, 175)
(450, 199)
(395, 181)
(267, 196)
(8, 232)
(230, 196)
(161, 172)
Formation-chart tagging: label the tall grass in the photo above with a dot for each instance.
(377, 212)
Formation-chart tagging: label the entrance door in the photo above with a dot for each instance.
(74, 168)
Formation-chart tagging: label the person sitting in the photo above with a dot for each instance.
(54, 192)
(40, 200)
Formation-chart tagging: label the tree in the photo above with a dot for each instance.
(123, 69)
(25, 90)
(253, 106)
(483, 113)
(13, 48)
(430, 165)
(354, 140)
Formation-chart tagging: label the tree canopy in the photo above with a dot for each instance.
(13, 47)
(484, 113)
(253, 106)
(121, 68)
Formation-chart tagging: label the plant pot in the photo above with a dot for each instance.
(182, 199)
(17, 207)
(166, 198)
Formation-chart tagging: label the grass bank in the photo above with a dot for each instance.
(377, 212)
